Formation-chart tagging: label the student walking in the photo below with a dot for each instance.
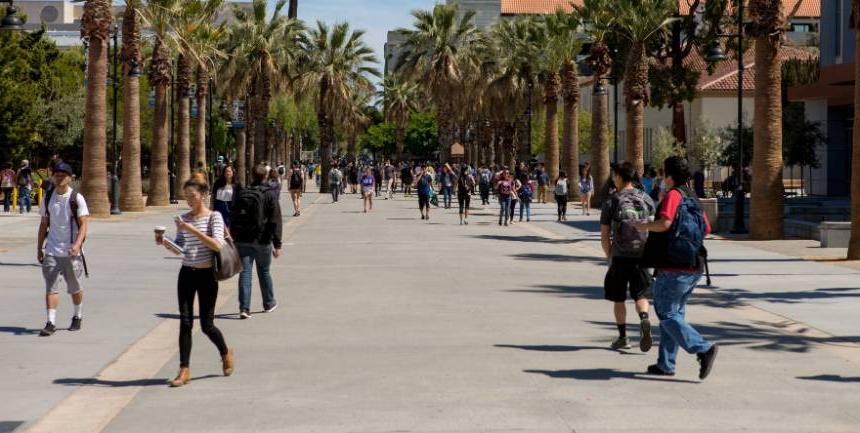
(297, 187)
(526, 194)
(389, 175)
(424, 186)
(465, 189)
(257, 230)
(446, 183)
(543, 183)
(7, 183)
(200, 233)
(505, 191)
(368, 188)
(24, 180)
(586, 189)
(406, 179)
(561, 191)
(624, 245)
(484, 185)
(59, 247)
(676, 249)
(335, 178)
(225, 188)
(274, 182)
(515, 198)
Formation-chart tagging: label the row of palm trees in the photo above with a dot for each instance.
(480, 83)
(254, 58)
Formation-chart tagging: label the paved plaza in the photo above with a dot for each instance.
(392, 324)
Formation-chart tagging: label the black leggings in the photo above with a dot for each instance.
(561, 200)
(464, 200)
(191, 282)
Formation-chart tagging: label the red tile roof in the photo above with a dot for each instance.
(725, 75)
(809, 8)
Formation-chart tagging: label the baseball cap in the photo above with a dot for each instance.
(64, 168)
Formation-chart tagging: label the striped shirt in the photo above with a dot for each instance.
(197, 254)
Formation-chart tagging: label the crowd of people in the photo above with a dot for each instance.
(640, 231)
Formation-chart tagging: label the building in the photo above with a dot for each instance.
(831, 100)
(62, 18)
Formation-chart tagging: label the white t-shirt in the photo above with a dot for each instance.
(61, 231)
(225, 193)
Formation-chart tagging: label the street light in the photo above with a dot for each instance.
(715, 54)
(11, 22)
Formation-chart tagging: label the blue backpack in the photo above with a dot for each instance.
(686, 237)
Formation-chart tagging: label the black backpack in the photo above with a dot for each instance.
(295, 180)
(248, 216)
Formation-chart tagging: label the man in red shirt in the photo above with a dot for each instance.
(675, 281)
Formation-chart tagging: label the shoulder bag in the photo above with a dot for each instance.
(227, 261)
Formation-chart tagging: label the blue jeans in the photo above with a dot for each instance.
(7, 199)
(262, 254)
(527, 206)
(504, 209)
(671, 292)
(446, 196)
(24, 199)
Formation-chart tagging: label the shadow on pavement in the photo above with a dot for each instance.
(17, 330)
(531, 238)
(558, 258)
(587, 226)
(10, 426)
(22, 265)
(586, 292)
(229, 316)
(831, 378)
(121, 383)
(552, 348)
(602, 374)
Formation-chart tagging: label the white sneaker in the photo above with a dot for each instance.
(244, 315)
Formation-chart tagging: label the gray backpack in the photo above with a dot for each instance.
(631, 208)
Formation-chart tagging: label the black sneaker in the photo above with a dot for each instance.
(48, 330)
(706, 361)
(657, 371)
(76, 324)
(271, 308)
(645, 340)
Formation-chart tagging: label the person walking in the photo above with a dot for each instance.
(225, 189)
(586, 189)
(526, 195)
(446, 185)
(7, 183)
(465, 189)
(624, 245)
(297, 187)
(274, 182)
(24, 180)
(679, 256)
(335, 178)
(389, 175)
(484, 185)
(424, 187)
(200, 233)
(561, 191)
(406, 179)
(257, 230)
(377, 179)
(504, 190)
(368, 188)
(59, 246)
(515, 197)
(542, 181)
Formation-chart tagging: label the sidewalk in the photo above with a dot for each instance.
(388, 323)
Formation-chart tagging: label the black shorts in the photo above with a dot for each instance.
(625, 275)
(423, 201)
(464, 200)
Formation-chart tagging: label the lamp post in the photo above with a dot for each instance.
(11, 21)
(715, 53)
(114, 178)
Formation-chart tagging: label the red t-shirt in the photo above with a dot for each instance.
(667, 211)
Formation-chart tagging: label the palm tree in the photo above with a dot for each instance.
(600, 16)
(156, 14)
(95, 30)
(399, 99)
(639, 21)
(204, 44)
(131, 191)
(766, 207)
(434, 53)
(260, 48)
(337, 65)
(854, 244)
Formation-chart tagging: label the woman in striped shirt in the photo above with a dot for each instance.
(201, 234)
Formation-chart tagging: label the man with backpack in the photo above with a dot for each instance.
(297, 187)
(64, 226)
(256, 228)
(676, 249)
(543, 182)
(485, 182)
(335, 177)
(624, 246)
(24, 180)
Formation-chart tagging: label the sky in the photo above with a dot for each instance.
(376, 17)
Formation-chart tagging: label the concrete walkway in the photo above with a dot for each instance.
(389, 323)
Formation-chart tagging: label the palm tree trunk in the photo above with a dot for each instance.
(94, 173)
(202, 93)
(635, 88)
(552, 87)
(241, 163)
(131, 191)
(326, 134)
(159, 176)
(600, 147)
(854, 243)
(766, 208)
(571, 126)
(183, 147)
(399, 134)
(679, 125)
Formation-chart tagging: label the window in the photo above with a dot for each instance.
(801, 28)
